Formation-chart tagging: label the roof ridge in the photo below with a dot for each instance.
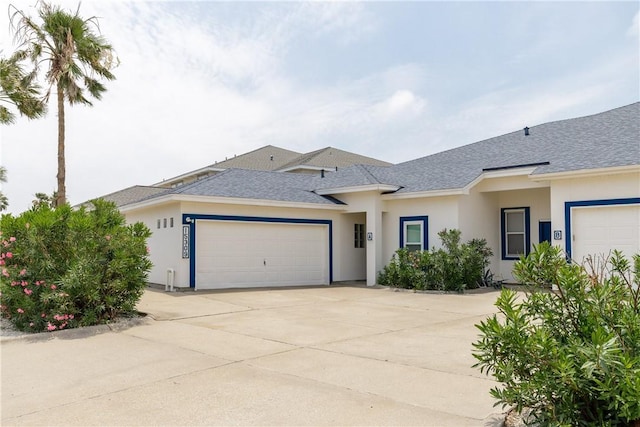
(368, 174)
(182, 188)
(253, 151)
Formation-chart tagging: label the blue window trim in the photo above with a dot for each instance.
(568, 236)
(191, 220)
(425, 229)
(527, 231)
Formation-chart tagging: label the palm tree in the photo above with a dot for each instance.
(18, 88)
(75, 57)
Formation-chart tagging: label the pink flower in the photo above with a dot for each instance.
(71, 316)
(50, 327)
(28, 291)
(53, 286)
(37, 283)
(63, 325)
(12, 239)
(5, 272)
(23, 271)
(2, 261)
(24, 283)
(9, 255)
(43, 315)
(20, 311)
(31, 324)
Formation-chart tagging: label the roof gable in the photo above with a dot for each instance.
(331, 158)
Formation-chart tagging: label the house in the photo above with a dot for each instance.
(573, 182)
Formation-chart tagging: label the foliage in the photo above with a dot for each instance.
(63, 268)
(76, 59)
(4, 202)
(573, 355)
(18, 88)
(455, 267)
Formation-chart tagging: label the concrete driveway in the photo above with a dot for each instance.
(312, 356)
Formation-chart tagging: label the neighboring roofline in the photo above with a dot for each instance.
(579, 173)
(384, 188)
(306, 167)
(225, 200)
(186, 175)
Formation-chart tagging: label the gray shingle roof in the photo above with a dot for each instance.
(607, 139)
(262, 185)
(133, 194)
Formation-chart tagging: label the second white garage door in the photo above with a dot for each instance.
(598, 230)
(245, 254)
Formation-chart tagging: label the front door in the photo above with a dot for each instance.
(544, 231)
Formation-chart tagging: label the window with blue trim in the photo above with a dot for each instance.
(515, 230)
(414, 233)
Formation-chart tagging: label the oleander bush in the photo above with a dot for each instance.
(569, 349)
(63, 268)
(455, 267)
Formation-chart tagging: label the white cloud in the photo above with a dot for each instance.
(403, 103)
(634, 29)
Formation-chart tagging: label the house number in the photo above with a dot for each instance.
(185, 241)
(557, 234)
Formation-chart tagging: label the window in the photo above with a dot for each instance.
(413, 233)
(171, 222)
(164, 223)
(158, 223)
(358, 235)
(515, 232)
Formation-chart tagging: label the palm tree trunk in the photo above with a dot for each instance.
(61, 196)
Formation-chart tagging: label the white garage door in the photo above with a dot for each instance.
(597, 230)
(241, 254)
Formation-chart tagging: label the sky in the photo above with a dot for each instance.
(202, 81)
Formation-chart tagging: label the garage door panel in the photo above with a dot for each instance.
(236, 254)
(599, 230)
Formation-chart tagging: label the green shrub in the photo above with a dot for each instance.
(455, 267)
(571, 355)
(63, 268)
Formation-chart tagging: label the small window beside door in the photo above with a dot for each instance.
(358, 235)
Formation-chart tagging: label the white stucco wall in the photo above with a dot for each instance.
(164, 243)
(480, 219)
(442, 213)
(609, 186)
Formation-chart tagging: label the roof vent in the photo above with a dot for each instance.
(526, 131)
(271, 158)
(322, 173)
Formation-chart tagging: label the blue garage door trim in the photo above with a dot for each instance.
(191, 220)
(588, 203)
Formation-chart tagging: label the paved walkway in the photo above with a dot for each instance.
(313, 356)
